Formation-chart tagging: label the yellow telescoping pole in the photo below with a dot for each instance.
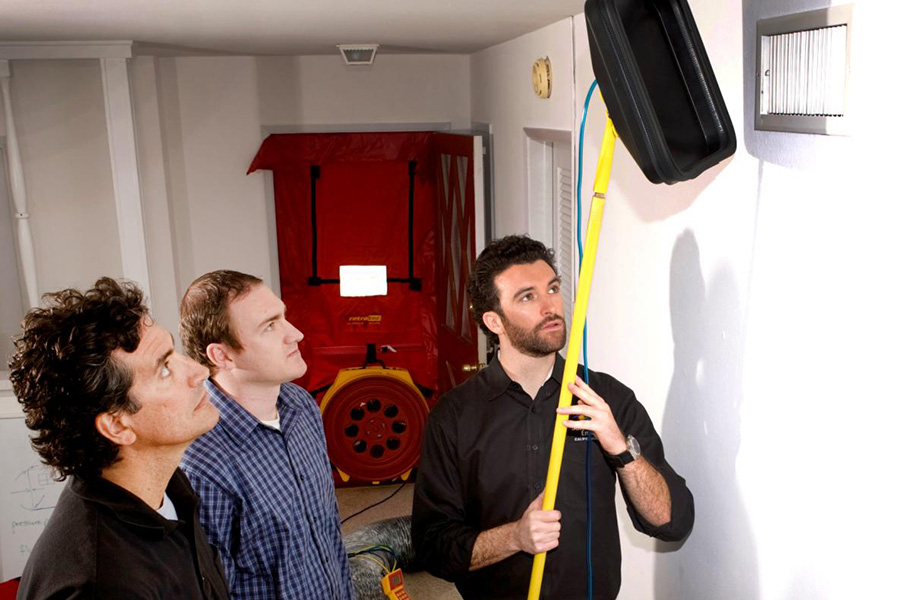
(601, 184)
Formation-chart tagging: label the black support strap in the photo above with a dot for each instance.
(415, 283)
(314, 174)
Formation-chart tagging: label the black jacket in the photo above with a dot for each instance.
(104, 542)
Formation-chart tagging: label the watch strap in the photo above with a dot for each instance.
(620, 460)
(631, 453)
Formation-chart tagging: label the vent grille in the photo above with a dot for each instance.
(565, 238)
(358, 54)
(804, 72)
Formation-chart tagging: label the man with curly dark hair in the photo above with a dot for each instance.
(477, 511)
(114, 407)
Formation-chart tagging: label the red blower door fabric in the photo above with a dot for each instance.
(362, 184)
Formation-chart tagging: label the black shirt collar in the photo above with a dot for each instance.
(558, 367)
(498, 382)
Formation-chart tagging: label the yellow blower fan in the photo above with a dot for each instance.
(374, 419)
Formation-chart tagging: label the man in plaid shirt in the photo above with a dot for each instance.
(263, 475)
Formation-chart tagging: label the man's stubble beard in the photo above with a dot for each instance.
(530, 342)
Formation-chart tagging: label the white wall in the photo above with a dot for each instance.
(321, 91)
(502, 96)
(753, 311)
(11, 292)
(61, 125)
(211, 130)
(153, 166)
(823, 330)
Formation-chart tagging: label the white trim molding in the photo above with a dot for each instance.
(113, 57)
(53, 50)
(126, 183)
(17, 186)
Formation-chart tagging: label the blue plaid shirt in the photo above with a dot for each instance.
(267, 500)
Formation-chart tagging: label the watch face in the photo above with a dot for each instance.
(633, 446)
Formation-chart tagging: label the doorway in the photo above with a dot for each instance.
(551, 203)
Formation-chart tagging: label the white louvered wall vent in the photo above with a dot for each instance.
(803, 71)
(565, 238)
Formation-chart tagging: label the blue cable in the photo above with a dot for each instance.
(587, 102)
(588, 445)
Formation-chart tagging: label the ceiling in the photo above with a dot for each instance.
(283, 27)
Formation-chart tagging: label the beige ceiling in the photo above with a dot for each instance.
(283, 27)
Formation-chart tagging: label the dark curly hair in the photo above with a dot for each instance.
(64, 375)
(204, 312)
(498, 256)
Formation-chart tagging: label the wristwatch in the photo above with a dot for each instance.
(633, 451)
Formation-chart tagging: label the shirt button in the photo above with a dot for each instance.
(534, 409)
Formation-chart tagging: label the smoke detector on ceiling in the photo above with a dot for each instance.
(358, 54)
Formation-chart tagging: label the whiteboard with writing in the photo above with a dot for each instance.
(28, 494)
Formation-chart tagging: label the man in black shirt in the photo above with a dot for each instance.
(477, 517)
(114, 407)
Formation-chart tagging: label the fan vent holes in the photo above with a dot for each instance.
(373, 407)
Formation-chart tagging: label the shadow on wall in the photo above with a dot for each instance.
(656, 202)
(701, 428)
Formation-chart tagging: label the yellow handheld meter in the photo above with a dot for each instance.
(392, 584)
